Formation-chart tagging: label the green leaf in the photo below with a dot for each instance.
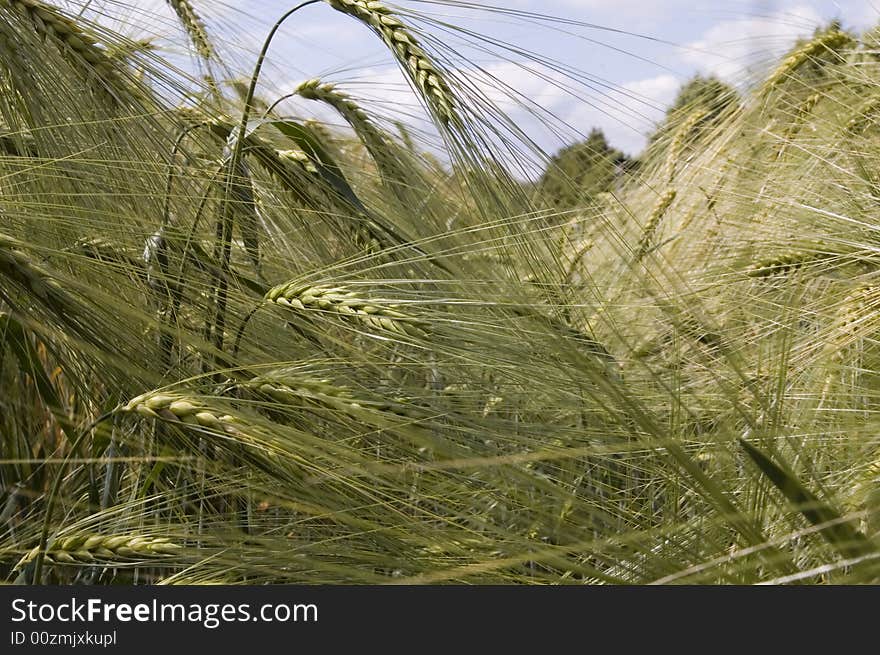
(13, 333)
(307, 141)
(839, 533)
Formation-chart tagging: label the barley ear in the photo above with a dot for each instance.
(88, 549)
(338, 301)
(178, 408)
(803, 111)
(356, 117)
(657, 213)
(194, 27)
(785, 262)
(830, 41)
(70, 38)
(865, 116)
(414, 60)
(383, 151)
(682, 134)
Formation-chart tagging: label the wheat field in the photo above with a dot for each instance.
(244, 346)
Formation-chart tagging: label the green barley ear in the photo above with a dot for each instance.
(295, 390)
(871, 42)
(801, 114)
(785, 262)
(315, 89)
(63, 32)
(177, 408)
(680, 139)
(85, 549)
(198, 35)
(831, 41)
(865, 496)
(194, 27)
(851, 323)
(18, 267)
(394, 172)
(405, 47)
(341, 302)
(575, 260)
(657, 213)
(853, 319)
(865, 116)
(357, 118)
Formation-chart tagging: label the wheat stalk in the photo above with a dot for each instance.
(415, 61)
(345, 303)
(82, 549)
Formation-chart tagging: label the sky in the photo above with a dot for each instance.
(574, 64)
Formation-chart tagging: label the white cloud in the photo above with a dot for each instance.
(733, 49)
(659, 90)
(605, 8)
(625, 113)
(632, 112)
(864, 15)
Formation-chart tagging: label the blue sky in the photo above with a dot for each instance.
(626, 58)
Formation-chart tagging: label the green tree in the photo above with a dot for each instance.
(579, 172)
(708, 93)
